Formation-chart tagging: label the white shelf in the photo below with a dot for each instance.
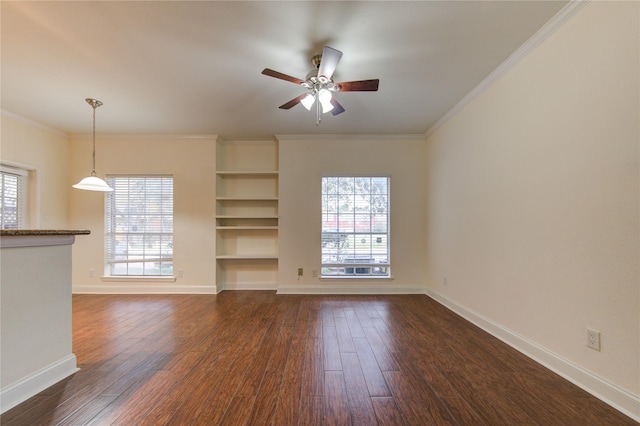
(227, 228)
(247, 173)
(246, 214)
(256, 198)
(228, 216)
(246, 256)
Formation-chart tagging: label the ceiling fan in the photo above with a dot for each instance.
(320, 85)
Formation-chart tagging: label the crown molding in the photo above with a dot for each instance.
(560, 18)
(140, 136)
(359, 136)
(33, 123)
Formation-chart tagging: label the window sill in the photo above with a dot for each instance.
(151, 279)
(357, 278)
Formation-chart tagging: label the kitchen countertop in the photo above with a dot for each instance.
(40, 232)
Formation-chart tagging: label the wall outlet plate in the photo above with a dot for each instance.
(593, 339)
(300, 272)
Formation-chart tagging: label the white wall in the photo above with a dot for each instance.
(46, 152)
(191, 161)
(303, 161)
(36, 344)
(533, 198)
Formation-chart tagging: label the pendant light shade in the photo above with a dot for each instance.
(324, 97)
(93, 182)
(308, 101)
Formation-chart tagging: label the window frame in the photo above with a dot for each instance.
(163, 257)
(358, 262)
(21, 195)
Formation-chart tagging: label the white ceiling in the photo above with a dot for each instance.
(177, 67)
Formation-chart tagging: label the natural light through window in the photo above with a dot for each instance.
(355, 227)
(12, 197)
(139, 226)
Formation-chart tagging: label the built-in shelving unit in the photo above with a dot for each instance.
(246, 214)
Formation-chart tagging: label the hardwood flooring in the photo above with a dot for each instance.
(257, 358)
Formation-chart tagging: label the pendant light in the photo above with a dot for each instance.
(93, 182)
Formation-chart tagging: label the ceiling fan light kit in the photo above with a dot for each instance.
(320, 85)
(308, 101)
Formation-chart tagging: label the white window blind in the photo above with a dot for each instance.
(139, 226)
(13, 183)
(355, 226)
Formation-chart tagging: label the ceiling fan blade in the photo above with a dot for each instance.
(359, 86)
(293, 102)
(337, 108)
(329, 62)
(276, 74)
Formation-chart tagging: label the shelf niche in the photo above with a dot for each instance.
(246, 214)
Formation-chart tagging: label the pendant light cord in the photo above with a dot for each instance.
(93, 172)
(95, 104)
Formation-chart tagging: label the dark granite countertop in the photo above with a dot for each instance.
(29, 232)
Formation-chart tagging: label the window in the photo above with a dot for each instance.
(13, 183)
(355, 227)
(139, 222)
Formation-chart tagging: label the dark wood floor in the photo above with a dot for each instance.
(257, 358)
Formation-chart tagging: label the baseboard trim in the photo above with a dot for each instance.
(350, 289)
(249, 286)
(620, 399)
(146, 288)
(36, 382)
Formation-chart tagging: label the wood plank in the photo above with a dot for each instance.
(138, 405)
(163, 411)
(278, 358)
(331, 348)
(387, 412)
(238, 411)
(360, 406)
(374, 379)
(335, 399)
(262, 358)
(353, 321)
(194, 394)
(343, 335)
(313, 370)
(266, 400)
(382, 355)
(88, 411)
(493, 406)
(312, 411)
(424, 390)
(288, 407)
(416, 407)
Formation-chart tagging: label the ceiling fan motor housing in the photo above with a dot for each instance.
(314, 82)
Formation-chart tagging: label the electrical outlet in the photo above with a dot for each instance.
(300, 272)
(92, 273)
(593, 339)
(180, 273)
(314, 273)
(444, 281)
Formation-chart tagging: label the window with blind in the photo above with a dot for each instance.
(13, 184)
(355, 227)
(139, 226)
